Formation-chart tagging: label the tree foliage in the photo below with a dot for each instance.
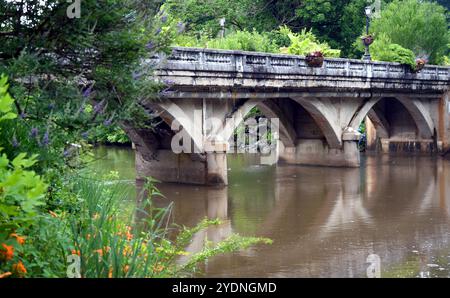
(417, 25)
(239, 40)
(59, 67)
(337, 22)
(384, 50)
(306, 42)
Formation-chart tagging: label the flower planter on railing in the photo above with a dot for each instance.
(314, 59)
(420, 64)
(367, 40)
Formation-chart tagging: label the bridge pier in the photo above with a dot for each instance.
(318, 153)
(444, 123)
(188, 168)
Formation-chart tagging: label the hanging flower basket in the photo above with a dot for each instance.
(420, 64)
(367, 40)
(315, 59)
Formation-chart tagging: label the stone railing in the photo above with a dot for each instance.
(212, 60)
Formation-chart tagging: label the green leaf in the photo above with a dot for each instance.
(23, 162)
(9, 116)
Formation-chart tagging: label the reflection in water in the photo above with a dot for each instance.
(325, 221)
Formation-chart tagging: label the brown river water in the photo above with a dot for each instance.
(324, 222)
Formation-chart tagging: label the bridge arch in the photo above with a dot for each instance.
(414, 107)
(178, 118)
(270, 110)
(324, 114)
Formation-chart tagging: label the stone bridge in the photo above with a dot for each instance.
(319, 111)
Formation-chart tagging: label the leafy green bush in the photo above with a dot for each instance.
(21, 191)
(276, 41)
(420, 26)
(306, 42)
(109, 134)
(446, 60)
(21, 194)
(383, 49)
(239, 40)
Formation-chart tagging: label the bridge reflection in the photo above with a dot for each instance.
(324, 221)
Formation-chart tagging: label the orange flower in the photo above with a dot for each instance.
(19, 268)
(19, 239)
(128, 233)
(88, 236)
(5, 275)
(100, 251)
(7, 252)
(76, 252)
(127, 251)
(126, 268)
(110, 273)
(158, 268)
(129, 236)
(53, 214)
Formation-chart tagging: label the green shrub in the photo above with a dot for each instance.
(446, 60)
(21, 194)
(383, 49)
(420, 26)
(306, 42)
(278, 41)
(109, 134)
(239, 40)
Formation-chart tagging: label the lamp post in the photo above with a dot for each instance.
(368, 12)
(222, 27)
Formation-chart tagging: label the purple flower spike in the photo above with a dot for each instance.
(150, 45)
(164, 19)
(98, 108)
(166, 93)
(168, 82)
(34, 132)
(46, 139)
(107, 122)
(66, 153)
(23, 115)
(87, 92)
(85, 135)
(136, 75)
(158, 31)
(81, 109)
(180, 27)
(14, 142)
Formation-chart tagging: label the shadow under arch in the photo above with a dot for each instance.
(323, 112)
(414, 108)
(269, 109)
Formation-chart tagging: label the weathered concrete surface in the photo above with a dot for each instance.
(319, 110)
(318, 153)
(208, 73)
(203, 169)
(371, 136)
(444, 123)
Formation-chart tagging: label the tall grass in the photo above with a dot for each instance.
(110, 243)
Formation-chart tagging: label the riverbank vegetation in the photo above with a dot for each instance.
(83, 227)
(68, 83)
